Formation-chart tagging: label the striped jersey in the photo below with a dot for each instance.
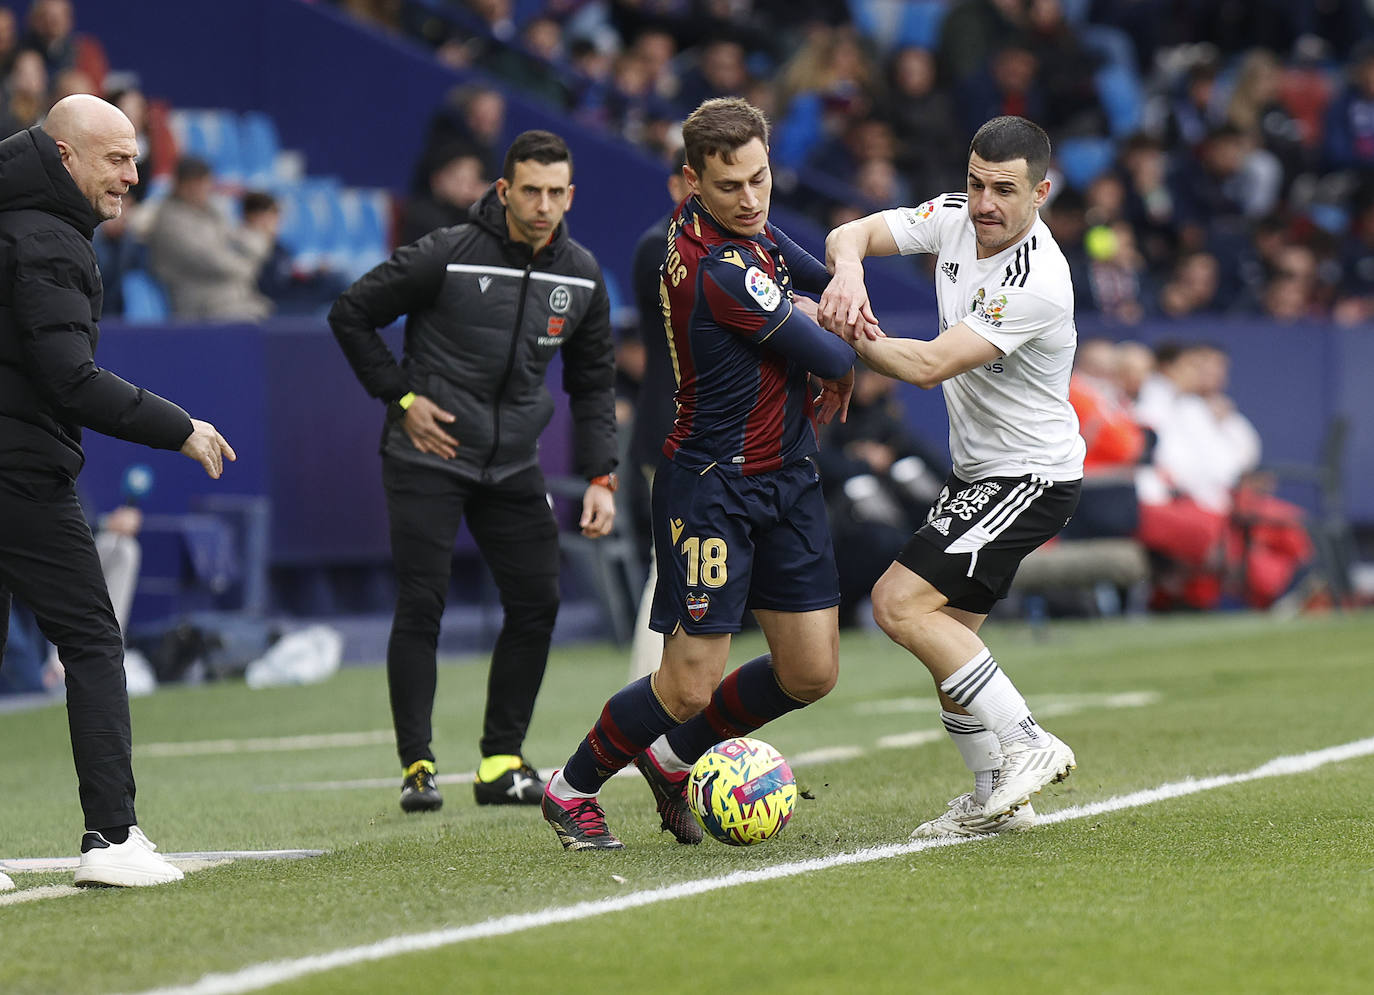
(739, 403)
(1010, 417)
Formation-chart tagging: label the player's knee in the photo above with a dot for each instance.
(890, 610)
(812, 685)
(898, 614)
(685, 701)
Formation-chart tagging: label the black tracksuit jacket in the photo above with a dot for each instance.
(484, 316)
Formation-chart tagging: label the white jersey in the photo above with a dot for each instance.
(1011, 417)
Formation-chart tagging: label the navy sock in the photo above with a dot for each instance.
(631, 720)
(745, 700)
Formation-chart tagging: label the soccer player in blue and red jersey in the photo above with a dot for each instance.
(739, 521)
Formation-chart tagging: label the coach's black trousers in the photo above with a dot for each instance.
(48, 559)
(518, 538)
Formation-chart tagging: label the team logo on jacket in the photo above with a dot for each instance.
(765, 291)
(697, 605)
(553, 331)
(560, 299)
(915, 215)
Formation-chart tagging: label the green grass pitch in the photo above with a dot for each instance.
(1265, 886)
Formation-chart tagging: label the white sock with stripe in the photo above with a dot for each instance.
(981, 750)
(985, 692)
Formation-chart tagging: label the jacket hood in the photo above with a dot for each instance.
(489, 214)
(32, 177)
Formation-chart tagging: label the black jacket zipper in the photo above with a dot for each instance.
(510, 365)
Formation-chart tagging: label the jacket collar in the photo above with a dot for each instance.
(32, 177)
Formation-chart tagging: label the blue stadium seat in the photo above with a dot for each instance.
(1122, 99)
(1083, 160)
(145, 302)
(259, 144)
(366, 224)
(211, 135)
(296, 231)
(921, 21)
(798, 132)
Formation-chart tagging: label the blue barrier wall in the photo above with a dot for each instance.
(307, 433)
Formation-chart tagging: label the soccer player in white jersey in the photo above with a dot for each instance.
(1003, 356)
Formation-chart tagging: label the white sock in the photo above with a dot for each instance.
(985, 692)
(666, 757)
(560, 788)
(981, 750)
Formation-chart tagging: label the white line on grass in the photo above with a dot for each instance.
(197, 748)
(1064, 704)
(20, 865)
(261, 976)
(38, 894)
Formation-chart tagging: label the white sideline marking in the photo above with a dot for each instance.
(1064, 704)
(38, 894)
(264, 975)
(188, 862)
(1059, 704)
(265, 745)
(20, 865)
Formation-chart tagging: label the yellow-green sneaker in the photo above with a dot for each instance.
(518, 784)
(418, 792)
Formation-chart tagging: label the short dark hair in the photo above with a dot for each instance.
(190, 168)
(258, 202)
(719, 127)
(542, 146)
(1006, 138)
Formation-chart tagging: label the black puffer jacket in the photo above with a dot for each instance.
(50, 301)
(484, 317)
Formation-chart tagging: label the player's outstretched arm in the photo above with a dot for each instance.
(844, 307)
(208, 448)
(928, 363)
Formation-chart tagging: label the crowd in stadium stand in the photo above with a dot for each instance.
(1214, 156)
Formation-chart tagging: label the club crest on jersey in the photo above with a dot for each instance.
(914, 215)
(765, 291)
(559, 299)
(697, 605)
(990, 310)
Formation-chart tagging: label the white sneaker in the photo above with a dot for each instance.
(6, 882)
(131, 864)
(967, 818)
(1026, 769)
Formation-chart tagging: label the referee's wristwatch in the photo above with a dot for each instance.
(607, 480)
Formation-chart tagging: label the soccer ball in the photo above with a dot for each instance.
(742, 791)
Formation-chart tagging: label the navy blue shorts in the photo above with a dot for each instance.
(728, 543)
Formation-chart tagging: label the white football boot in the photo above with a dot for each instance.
(965, 817)
(1025, 770)
(134, 863)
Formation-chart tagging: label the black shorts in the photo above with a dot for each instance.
(977, 535)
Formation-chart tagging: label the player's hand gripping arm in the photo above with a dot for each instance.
(844, 307)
